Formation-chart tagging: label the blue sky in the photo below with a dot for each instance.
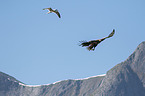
(39, 48)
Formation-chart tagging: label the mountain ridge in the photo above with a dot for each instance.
(61, 81)
(125, 79)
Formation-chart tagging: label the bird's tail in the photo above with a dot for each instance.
(90, 48)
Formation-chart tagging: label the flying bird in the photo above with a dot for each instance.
(93, 43)
(53, 11)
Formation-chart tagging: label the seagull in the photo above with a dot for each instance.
(93, 43)
(52, 10)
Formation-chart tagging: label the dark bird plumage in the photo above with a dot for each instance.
(53, 10)
(93, 43)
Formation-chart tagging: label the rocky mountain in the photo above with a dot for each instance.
(125, 79)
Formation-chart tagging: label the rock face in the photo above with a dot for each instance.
(125, 79)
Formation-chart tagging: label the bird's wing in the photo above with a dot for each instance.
(58, 14)
(112, 33)
(47, 9)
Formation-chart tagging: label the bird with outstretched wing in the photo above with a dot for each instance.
(53, 11)
(93, 43)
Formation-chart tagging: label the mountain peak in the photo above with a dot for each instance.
(126, 76)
